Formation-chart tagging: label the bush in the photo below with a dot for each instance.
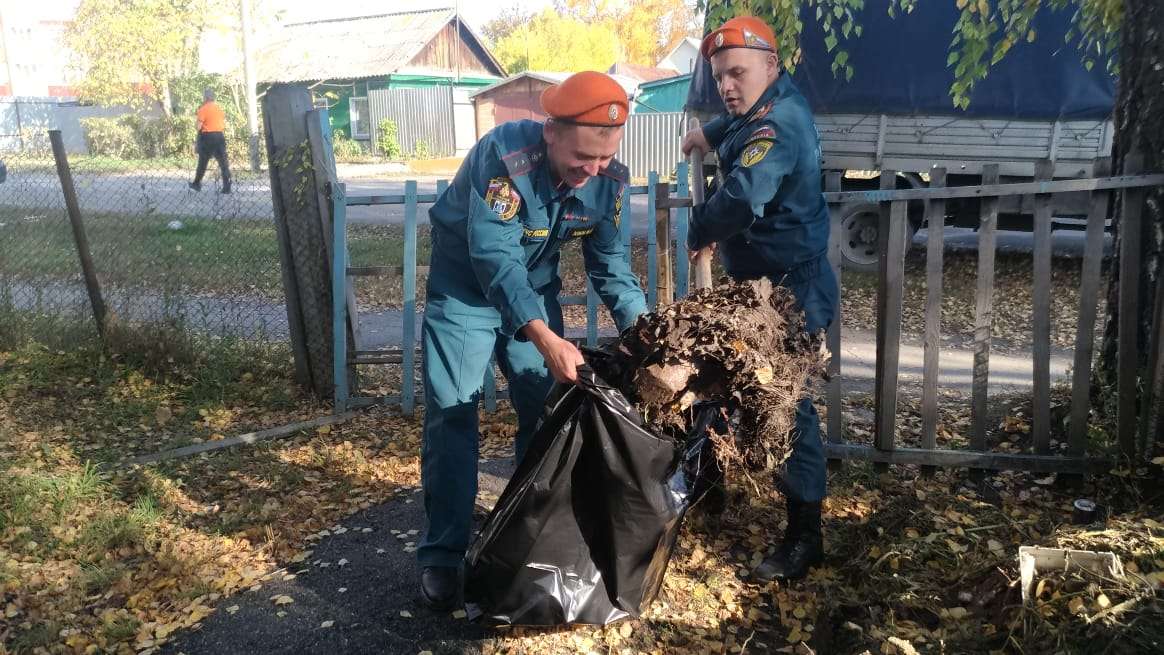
(421, 150)
(110, 137)
(388, 139)
(346, 149)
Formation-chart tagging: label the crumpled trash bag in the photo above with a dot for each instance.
(584, 530)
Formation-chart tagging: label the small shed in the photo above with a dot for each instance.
(518, 97)
(345, 60)
(662, 96)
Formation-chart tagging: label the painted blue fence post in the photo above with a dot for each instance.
(408, 364)
(591, 315)
(339, 296)
(681, 260)
(652, 263)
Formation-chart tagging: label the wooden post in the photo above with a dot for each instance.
(984, 311)
(79, 237)
(695, 163)
(1041, 328)
(652, 246)
(891, 286)
(891, 239)
(1088, 307)
(680, 222)
(339, 284)
(935, 254)
(306, 278)
(666, 293)
(833, 337)
(1128, 356)
(408, 332)
(323, 163)
(1153, 402)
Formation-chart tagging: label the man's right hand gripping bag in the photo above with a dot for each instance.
(584, 529)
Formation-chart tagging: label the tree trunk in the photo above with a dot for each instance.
(1138, 127)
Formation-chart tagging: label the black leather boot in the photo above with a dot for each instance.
(439, 586)
(802, 548)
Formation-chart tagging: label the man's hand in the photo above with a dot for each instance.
(695, 139)
(562, 357)
(692, 254)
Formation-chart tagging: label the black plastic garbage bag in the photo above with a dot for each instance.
(585, 528)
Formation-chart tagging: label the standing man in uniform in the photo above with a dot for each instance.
(211, 140)
(770, 219)
(525, 190)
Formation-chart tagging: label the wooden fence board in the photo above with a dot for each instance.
(984, 312)
(1041, 327)
(935, 252)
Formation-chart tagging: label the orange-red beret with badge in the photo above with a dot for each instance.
(587, 98)
(739, 32)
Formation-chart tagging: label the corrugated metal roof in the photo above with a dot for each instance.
(349, 48)
(628, 84)
(642, 73)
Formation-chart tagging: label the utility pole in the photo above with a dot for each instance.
(11, 80)
(249, 75)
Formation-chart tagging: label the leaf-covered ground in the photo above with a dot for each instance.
(99, 557)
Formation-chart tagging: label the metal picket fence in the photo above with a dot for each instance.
(161, 252)
(344, 277)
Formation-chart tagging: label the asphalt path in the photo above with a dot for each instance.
(166, 193)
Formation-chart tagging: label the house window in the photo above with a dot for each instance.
(358, 114)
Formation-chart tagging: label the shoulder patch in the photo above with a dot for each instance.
(521, 162)
(502, 198)
(617, 170)
(755, 152)
(762, 132)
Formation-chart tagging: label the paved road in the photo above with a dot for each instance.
(166, 193)
(372, 600)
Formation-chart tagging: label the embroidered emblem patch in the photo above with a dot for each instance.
(537, 234)
(581, 232)
(719, 39)
(755, 152)
(762, 132)
(753, 40)
(502, 198)
(612, 113)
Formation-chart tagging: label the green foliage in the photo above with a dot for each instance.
(388, 139)
(985, 32)
(549, 41)
(139, 137)
(421, 150)
(347, 150)
(128, 51)
(646, 29)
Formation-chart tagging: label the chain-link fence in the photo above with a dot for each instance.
(202, 261)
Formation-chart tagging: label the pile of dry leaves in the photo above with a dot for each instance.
(741, 345)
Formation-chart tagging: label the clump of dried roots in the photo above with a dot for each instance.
(742, 345)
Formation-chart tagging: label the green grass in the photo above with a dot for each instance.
(121, 629)
(205, 256)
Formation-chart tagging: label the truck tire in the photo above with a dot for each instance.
(859, 239)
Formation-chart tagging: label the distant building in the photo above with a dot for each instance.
(683, 56)
(641, 73)
(342, 60)
(34, 62)
(518, 97)
(665, 95)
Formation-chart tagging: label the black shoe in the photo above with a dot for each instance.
(802, 549)
(439, 586)
(226, 189)
(196, 186)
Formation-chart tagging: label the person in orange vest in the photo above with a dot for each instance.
(211, 140)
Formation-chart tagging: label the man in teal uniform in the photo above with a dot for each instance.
(524, 191)
(769, 219)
